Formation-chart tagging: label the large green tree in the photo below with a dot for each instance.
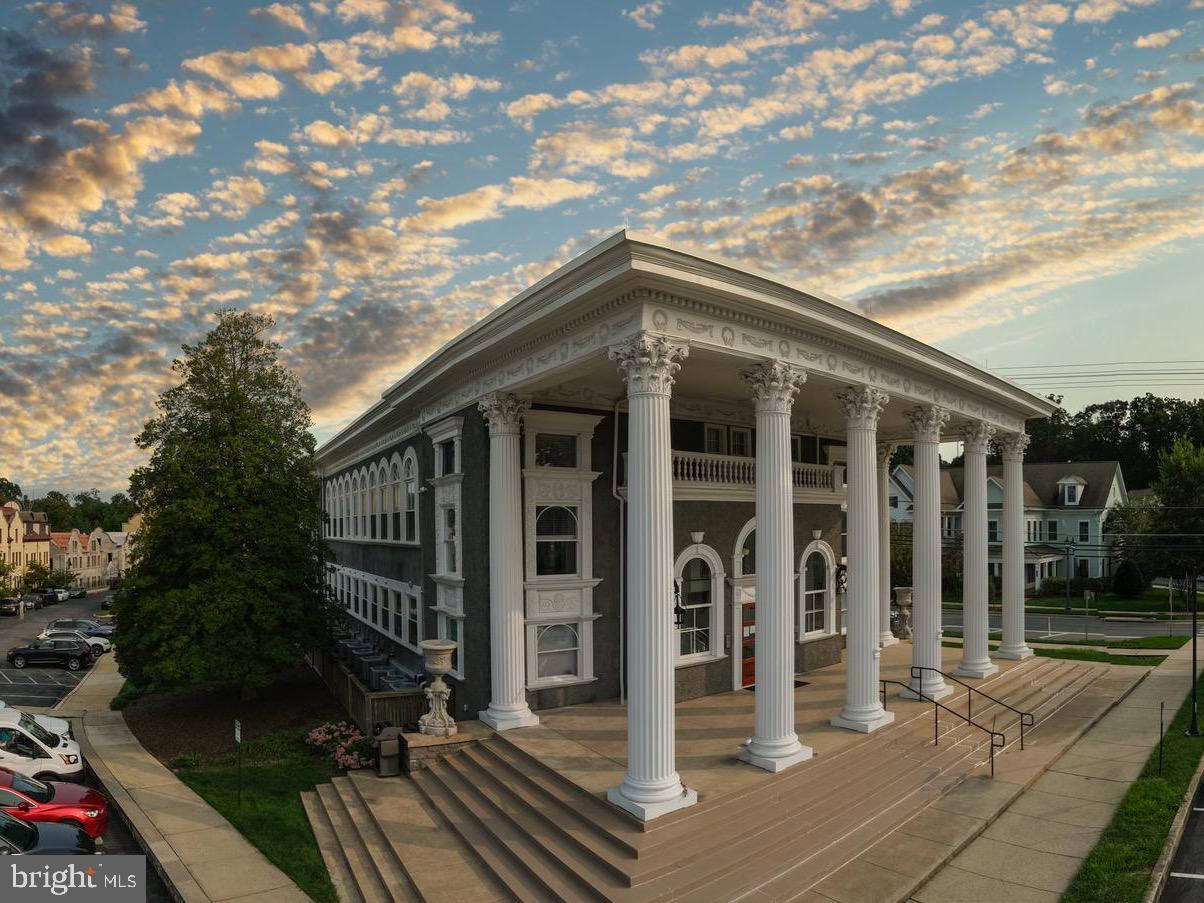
(8, 490)
(1176, 522)
(227, 583)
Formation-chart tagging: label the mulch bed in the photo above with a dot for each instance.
(202, 721)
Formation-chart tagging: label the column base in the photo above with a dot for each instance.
(887, 639)
(649, 811)
(862, 723)
(976, 669)
(1014, 653)
(931, 692)
(504, 721)
(777, 762)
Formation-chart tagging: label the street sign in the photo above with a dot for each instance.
(237, 731)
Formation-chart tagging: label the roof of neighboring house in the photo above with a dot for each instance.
(117, 538)
(1040, 483)
(60, 539)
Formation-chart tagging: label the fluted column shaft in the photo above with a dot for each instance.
(1013, 645)
(651, 786)
(975, 660)
(885, 636)
(863, 709)
(507, 666)
(926, 425)
(774, 745)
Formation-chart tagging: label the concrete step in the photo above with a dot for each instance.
(439, 865)
(330, 848)
(387, 865)
(359, 862)
(450, 799)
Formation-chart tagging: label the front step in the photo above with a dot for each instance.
(331, 849)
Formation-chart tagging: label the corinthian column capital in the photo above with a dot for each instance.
(649, 363)
(977, 436)
(927, 422)
(862, 405)
(1012, 446)
(883, 453)
(774, 385)
(504, 413)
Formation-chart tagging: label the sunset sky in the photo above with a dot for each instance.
(1017, 182)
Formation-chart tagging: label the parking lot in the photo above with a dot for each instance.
(39, 686)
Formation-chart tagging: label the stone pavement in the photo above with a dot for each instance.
(1034, 848)
(197, 851)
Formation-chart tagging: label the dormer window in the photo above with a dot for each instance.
(1070, 490)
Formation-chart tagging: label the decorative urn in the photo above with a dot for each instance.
(437, 656)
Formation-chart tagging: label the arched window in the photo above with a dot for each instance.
(343, 507)
(556, 539)
(382, 492)
(355, 506)
(558, 649)
(409, 478)
(698, 603)
(363, 506)
(744, 558)
(449, 541)
(372, 504)
(817, 590)
(395, 506)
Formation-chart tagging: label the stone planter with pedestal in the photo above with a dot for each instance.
(903, 601)
(438, 661)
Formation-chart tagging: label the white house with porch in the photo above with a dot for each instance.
(621, 485)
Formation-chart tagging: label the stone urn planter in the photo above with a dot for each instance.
(903, 603)
(437, 655)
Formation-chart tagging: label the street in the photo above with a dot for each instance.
(1038, 626)
(1186, 881)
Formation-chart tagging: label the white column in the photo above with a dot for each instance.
(885, 636)
(863, 709)
(926, 424)
(1013, 645)
(975, 626)
(651, 786)
(774, 745)
(507, 666)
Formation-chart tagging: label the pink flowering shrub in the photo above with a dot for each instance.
(347, 747)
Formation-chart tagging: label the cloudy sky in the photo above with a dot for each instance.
(1018, 182)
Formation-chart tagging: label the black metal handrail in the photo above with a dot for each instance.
(1026, 718)
(936, 718)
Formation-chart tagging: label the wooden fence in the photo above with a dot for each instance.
(367, 707)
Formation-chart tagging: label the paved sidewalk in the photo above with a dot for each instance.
(199, 853)
(1033, 850)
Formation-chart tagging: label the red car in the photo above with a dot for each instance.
(52, 801)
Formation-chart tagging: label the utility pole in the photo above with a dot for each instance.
(1194, 729)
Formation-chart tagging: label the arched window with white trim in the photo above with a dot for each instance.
(409, 478)
(395, 500)
(744, 557)
(372, 503)
(698, 604)
(382, 492)
(556, 540)
(817, 591)
(355, 506)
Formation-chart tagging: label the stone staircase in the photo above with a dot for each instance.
(492, 822)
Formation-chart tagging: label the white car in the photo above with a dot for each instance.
(98, 644)
(29, 749)
(61, 594)
(60, 726)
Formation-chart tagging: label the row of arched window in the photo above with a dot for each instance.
(378, 501)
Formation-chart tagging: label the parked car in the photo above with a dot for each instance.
(54, 802)
(77, 592)
(10, 606)
(106, 602)
(62, 594)
(69, 654)
(89, 628)
(47, 596)
(21, 838)
(32, 602)
(97, 644)
(29, 749)
(60, 726)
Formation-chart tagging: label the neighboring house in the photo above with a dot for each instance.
(1064, 503)
(97, 558)
(24, 540)
(484, 498)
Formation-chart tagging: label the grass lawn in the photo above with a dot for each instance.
(1088, 654)
(1154, 600)
(276, 768)
(1118, 868)
(1141, 642)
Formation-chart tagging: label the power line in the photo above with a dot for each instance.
(1096, 364)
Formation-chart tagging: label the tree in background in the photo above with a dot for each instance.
(36, 576)
(8, 490)
(61, 578)
(1128, 582)
(1176, 521)
(227, 584)
(84, 511)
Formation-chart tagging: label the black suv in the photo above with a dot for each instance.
(19, 837)
(70, 654)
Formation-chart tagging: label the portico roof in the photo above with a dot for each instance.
(627, 268)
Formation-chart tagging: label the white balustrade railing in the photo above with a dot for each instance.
(730, 470)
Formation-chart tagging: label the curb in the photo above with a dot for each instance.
(1162, 867)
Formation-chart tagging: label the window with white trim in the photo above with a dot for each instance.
(1084, 530)
(409, 477)
(557, 652)
(741, 442)
(397, 504)
(698, 578)
(556, 540)
(1052, 531)
(715, 439)
(815, 594)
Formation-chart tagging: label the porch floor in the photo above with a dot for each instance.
(588, 743)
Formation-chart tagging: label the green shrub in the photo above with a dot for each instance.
(1128, 582)
(127, 694)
